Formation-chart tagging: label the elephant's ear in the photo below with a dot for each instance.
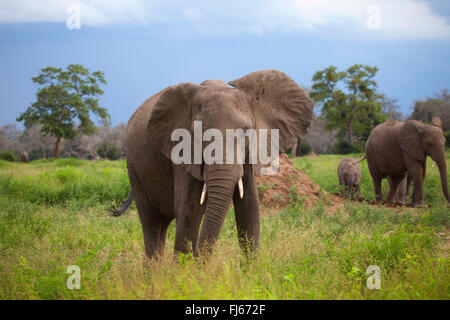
(410, 139)
(278, 103)
(172, 110)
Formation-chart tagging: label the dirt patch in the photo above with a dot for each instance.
(290, 186)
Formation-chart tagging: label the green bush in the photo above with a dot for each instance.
(38, 153)
(305, 148)
(345, 147)
(8, 156)
(447, 138)
(108, 151)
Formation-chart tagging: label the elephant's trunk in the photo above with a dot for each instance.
(443, 172)
(220, 185)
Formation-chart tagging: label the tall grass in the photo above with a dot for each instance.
(64, 180)
(53, 214)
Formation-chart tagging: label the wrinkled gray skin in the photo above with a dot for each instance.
(403, 189)
(164, 191)
(349, 174)
(394, 148)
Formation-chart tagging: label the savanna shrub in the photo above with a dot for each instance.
(39, 153)
(447, 138)
(8, 156)
(67, 174)
(305, 149)
(108, 151)
(345, 147)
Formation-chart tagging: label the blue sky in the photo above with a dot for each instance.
(144, 46)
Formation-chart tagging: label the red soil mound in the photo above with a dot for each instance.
(289, 186)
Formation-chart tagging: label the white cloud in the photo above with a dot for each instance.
(400, 19)
(93, 12)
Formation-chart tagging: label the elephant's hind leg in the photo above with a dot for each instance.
(376, 178)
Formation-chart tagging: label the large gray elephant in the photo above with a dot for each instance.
(164, 191)
(394, 148)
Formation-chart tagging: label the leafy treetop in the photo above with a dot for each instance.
(349, 100)
(64, 101)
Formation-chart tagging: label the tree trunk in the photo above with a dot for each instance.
(294, 150)
(57, 145)
(43, 152)
(298, 150)
(350, 131)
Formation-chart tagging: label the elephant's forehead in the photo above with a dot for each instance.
(219, 95)
(214, 83)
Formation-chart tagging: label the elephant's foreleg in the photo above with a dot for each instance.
(151, 219)
(418, 194)
(401, 194)
(188, 211)
(358, 191)
(416, 170)
(247, 214)
(163, 234)
(350, 188)
(187, 228)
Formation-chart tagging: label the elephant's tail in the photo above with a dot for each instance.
(125, 205)
(365, 157)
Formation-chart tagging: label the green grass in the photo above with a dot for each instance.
(53, 215)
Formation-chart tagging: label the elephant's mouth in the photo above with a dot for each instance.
(240, 186)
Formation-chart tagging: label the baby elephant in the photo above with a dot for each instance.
(349, 174)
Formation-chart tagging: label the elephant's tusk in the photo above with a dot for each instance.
(241, 188)
(203, 196)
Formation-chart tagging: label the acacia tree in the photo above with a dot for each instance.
(65, 100)
(348, 99)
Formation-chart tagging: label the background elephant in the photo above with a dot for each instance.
(164, 191)
(24, 157)
(393, 148)
(349, 174)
